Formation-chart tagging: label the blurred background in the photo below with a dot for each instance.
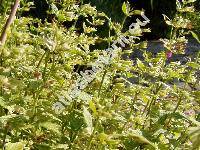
(153, 10)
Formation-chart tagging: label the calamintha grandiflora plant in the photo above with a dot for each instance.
(153, 110)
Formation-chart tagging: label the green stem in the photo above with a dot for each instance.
(45, 68)
(81, 2)
(40, 61)
(123, 22)
(105, 71)
(181, 139)
(4, 138)
(180, 99)
(152, 101)
(175, 109)
(1, 57)
(132, 110)
(171, 33)
(92, 135)
(150, 105)
(1, 1)
(52, 67)
(104, 74)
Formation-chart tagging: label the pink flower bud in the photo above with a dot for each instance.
(169, 54)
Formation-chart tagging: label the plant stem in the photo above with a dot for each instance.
(104, 74)
(132, 110)
(175, 109)
(152, 101)
(9, 22)
(5, 134)
(123, 22)
(180, 99)
(91, 136)
(40, 61)
(45, 67)
(1, 1)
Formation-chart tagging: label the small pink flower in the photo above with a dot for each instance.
(169, 54)
(189, 112)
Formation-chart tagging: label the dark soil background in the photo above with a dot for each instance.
(153, 10)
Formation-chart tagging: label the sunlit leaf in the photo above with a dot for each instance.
(126, 8)
(139, 138)
(195, 36)
(92, 107)
(88, 120)
(51, 127)
(15, 146)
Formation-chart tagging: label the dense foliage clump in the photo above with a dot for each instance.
(150, 102)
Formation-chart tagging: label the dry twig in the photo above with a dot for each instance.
(9, 22)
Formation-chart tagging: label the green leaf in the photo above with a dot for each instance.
(54, 8)
(88, 120)
(51, 126)
(15, 146)
(126, 8)
(93, 107)
(195, 36)
(140, 64)
(135, 12)
(179, 115)
(103, 137)
(75, 121)
(62, 146)
(167, 20)
(2, 103)
(193, 65)
(7, 117)
(195, 137)
(139, 138)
